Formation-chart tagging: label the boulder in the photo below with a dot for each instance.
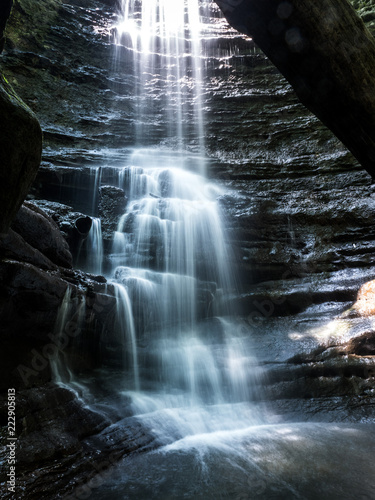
(20, 152)
(74, 226)
(42, 233)
(13, 246)
(30, 298)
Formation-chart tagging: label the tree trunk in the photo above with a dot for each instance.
(327, 54)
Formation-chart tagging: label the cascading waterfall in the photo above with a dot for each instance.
(94, 245)
(190, 370)
(189, 376)
(170, 255)
(169, 252)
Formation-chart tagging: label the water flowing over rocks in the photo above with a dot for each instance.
(299, 214)
(36, 272)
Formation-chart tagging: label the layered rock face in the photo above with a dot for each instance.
(298, 210)
(288, 211)
(330, 64)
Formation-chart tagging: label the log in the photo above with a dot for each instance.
(327, 54)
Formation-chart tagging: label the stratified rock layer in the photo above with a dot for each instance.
(327, 54)
(299, 216)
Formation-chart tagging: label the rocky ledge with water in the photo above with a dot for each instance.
(298, 211)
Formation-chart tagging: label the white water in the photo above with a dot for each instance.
(170, 257)
(71, 311)
(164, 36)
(169, 252)
(94, 248)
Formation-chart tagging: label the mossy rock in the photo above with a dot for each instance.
(362, 4)
(20, 152)
(29, 24)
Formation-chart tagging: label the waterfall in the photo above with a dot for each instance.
(186, 393)
(164, 36)
(187, 368)
(72, 310)
(193, 369)
(94, 248)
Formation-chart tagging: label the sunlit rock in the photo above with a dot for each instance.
(365, 303)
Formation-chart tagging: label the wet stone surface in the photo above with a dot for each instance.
(299, 215)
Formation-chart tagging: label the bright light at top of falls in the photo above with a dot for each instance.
(164, 37)
(166, 19)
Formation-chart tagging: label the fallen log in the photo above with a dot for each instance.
(327, 54)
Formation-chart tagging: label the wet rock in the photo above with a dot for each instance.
(33, 297)
(291, 294)
(128, 223)
(42, 233)
(62, 51)
(112, 205)
(74, 226)
(79, 440)
(53, 422)
(336, 77)
(52, 426)
(14, 247)
(70, 185)
(333, 369)
(364, 345)
(365, 303)
(35, 24)
(31, 301)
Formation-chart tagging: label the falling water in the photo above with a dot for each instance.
(194, 371)
(71, 311)
(165, 39)
(192, 374)
(190, 369)
(94, 248)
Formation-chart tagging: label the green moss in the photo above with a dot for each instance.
(28, 25)
(11, 94)
(361, 4)
(366, 10)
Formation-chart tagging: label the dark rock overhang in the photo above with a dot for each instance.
(327, 54)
